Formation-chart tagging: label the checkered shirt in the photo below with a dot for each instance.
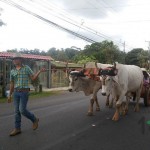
(21, 77)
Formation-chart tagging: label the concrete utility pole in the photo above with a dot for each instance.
(149, 54)
(124, 49)
(124, 46)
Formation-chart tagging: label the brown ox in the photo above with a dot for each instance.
(80, 82)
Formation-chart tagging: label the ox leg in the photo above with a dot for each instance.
(137, 108)
(118, 107)
(123, 108)
(116, 115)
(107, 100)
(127, 104)
(90, 111)
(111, 103)
(97, 104)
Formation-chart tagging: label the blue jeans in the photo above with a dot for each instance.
(20, 103)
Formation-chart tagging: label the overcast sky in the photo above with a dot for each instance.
(117, 20)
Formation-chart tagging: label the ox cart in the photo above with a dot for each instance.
(92, 69)
(145, 93)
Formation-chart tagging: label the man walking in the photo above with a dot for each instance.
(20, 86)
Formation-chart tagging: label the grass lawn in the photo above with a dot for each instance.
(35, 95)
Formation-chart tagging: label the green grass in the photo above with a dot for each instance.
(35, 95)
(3, 100)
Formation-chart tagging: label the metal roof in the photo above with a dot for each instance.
(27, 56)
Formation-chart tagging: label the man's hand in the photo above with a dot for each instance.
(43, 69)
(34, 77)
(9, 99)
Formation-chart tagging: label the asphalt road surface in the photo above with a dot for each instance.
(64, 125)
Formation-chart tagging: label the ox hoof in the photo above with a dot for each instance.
(98, 109)
(124, 113)
(115, 117)
(136, 109)
(107, 104)
(110, 106)
(89, 114)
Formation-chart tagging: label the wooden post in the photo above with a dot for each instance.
(4, 78)
(49, 75)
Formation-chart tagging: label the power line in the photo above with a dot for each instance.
(65, 16)
(47, 21)
(62, 18)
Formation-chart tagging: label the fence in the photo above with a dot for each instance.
(59, 78)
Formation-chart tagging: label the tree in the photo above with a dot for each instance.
(132, 57)
(143, 58)
(82, 59)
(61, 56)
(104, 52)
(71, 53)
(52, 52)
(1, 22)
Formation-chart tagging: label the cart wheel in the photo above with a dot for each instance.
(147, 97)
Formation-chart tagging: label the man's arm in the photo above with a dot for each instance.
(11, 87)
(11, 91)
(34, 77)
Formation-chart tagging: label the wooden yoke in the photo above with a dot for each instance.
(91, 70)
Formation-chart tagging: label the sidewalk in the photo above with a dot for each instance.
(55, 89)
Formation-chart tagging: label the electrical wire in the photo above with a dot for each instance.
(62, 16)
(11, 3)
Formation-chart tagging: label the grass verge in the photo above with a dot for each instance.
(35, 95)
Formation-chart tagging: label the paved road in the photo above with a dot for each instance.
(65, 126)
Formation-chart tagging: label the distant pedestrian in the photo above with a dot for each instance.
(1, 79)
(20, 86)
(146, 77)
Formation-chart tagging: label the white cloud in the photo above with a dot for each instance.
(121, 21)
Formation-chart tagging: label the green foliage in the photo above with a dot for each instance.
(82, 59)
(132, 57)
(63, 55)
(103, 52)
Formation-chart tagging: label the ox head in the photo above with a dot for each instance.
(108, 79)
(108, 84)
(74, 80)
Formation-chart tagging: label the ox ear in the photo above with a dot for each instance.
(84, 65)
(114, 65)
(115, 79)
(81, 73)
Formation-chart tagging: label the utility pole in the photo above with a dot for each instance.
(148, 55)
(124, 48)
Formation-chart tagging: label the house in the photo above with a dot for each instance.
(56, 76)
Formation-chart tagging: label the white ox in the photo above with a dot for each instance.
(80, 82)
(126, 79)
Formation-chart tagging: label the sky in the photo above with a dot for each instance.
(125, 22)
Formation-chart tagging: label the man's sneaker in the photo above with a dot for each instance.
(35, 124)
(15, 132)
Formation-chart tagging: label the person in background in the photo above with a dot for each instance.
(20, 86)
(1, 79)
(146, 79)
